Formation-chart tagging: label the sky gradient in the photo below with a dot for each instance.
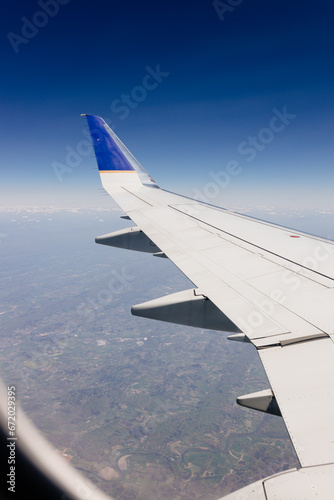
(196, 91)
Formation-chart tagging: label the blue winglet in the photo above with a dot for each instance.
(108, 154)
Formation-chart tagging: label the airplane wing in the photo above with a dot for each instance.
(265, 284)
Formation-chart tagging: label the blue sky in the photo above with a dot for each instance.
(221, 79)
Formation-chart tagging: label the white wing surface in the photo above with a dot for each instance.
(267, 284)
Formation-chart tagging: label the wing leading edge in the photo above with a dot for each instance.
(267, 284)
